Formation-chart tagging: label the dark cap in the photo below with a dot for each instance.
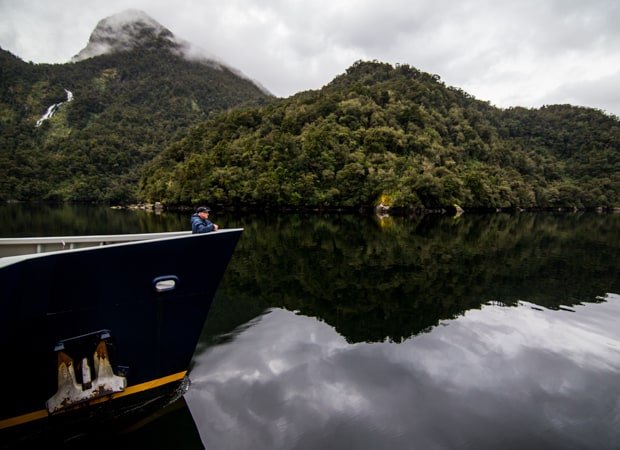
(202, 209)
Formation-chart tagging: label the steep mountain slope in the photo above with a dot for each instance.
(134, 89)
(395, 136)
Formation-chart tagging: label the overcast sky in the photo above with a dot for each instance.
(510, 53)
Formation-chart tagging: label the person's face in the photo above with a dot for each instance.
(204, 214)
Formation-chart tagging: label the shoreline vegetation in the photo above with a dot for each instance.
(453, 210)
(381, 210)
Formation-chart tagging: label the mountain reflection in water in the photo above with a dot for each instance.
(484, 332)
(498, 377)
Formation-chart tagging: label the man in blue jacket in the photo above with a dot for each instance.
(200, 221)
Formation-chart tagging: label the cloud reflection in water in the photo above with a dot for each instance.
(498, 377)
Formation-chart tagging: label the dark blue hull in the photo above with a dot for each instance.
(137, 309)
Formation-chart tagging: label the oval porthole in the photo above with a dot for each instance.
(165, 283)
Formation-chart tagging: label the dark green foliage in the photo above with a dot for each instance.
(391, 278)
(394, 135)
(126, 108)
(147, 125)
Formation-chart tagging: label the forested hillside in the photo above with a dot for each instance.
(126, 108)
(397, 136)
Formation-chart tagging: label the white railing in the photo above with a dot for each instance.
(30, 245)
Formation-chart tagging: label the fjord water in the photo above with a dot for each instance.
(361, 332)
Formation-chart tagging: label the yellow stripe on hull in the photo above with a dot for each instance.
(36, 415)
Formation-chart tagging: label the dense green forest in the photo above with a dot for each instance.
(396, 136)
(126, 108)
(148, 125)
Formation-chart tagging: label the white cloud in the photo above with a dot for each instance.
(526, 53)
(287, 377)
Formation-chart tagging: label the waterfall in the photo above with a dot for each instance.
(53, 108)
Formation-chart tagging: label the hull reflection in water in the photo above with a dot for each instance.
(498, 377)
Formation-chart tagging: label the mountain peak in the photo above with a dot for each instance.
(133, 29)
(127, 30)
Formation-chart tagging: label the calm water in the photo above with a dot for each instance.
(342, 331)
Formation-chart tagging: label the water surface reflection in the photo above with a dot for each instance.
(485, 332)
(496, 377)
(352, 331)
